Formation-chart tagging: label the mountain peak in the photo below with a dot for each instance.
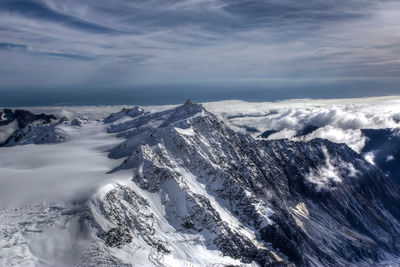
(195, 185)
(125, 112)
(210, 178)
(188, 102)
(189, 106)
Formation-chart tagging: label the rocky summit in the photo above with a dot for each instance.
(200, 193)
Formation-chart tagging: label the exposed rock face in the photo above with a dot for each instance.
(204, 194)
(22, 127)
(267, 133)
(125, 112)
(23, 117)
(384, 147)
(312, 203)
(132, 215)
(307, 130)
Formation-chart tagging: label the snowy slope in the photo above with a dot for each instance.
(21, 127)
(184, 189)
(262, 185)
(58, 203)
(39, 187)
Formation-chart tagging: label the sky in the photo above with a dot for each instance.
(163, 51)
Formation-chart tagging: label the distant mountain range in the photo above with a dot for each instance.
(202, 193)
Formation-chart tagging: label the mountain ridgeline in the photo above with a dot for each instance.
(201, 193)
(306, 203)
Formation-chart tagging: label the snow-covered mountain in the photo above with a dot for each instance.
(14, 123)
(21, 127)
(200, 193)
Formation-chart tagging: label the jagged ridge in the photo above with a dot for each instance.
(200, 189)
(21, 127)
(309, 202)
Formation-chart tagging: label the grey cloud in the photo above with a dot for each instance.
(40, 11)
(9, 46)
(273, 43)
(68, 56)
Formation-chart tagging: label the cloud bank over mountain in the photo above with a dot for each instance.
(180, 187)
(339, 121)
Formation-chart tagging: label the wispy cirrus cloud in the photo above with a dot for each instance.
(271, 43)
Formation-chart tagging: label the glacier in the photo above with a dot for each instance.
(178, 186)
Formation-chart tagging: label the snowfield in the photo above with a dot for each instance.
(49, 172)
(196, 185)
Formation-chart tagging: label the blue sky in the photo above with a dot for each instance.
(225, 48)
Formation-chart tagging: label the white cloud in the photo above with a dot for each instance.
(389, 158)
(370, 157)
(327, 176)
(202, 40)
(353, 138)
(285, 133)
(338, 120)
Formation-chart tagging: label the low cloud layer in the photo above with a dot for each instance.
(339, 121)
(57, 172)
(49, 172)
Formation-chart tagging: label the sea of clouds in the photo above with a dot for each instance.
(338, 120)
(77, 167)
